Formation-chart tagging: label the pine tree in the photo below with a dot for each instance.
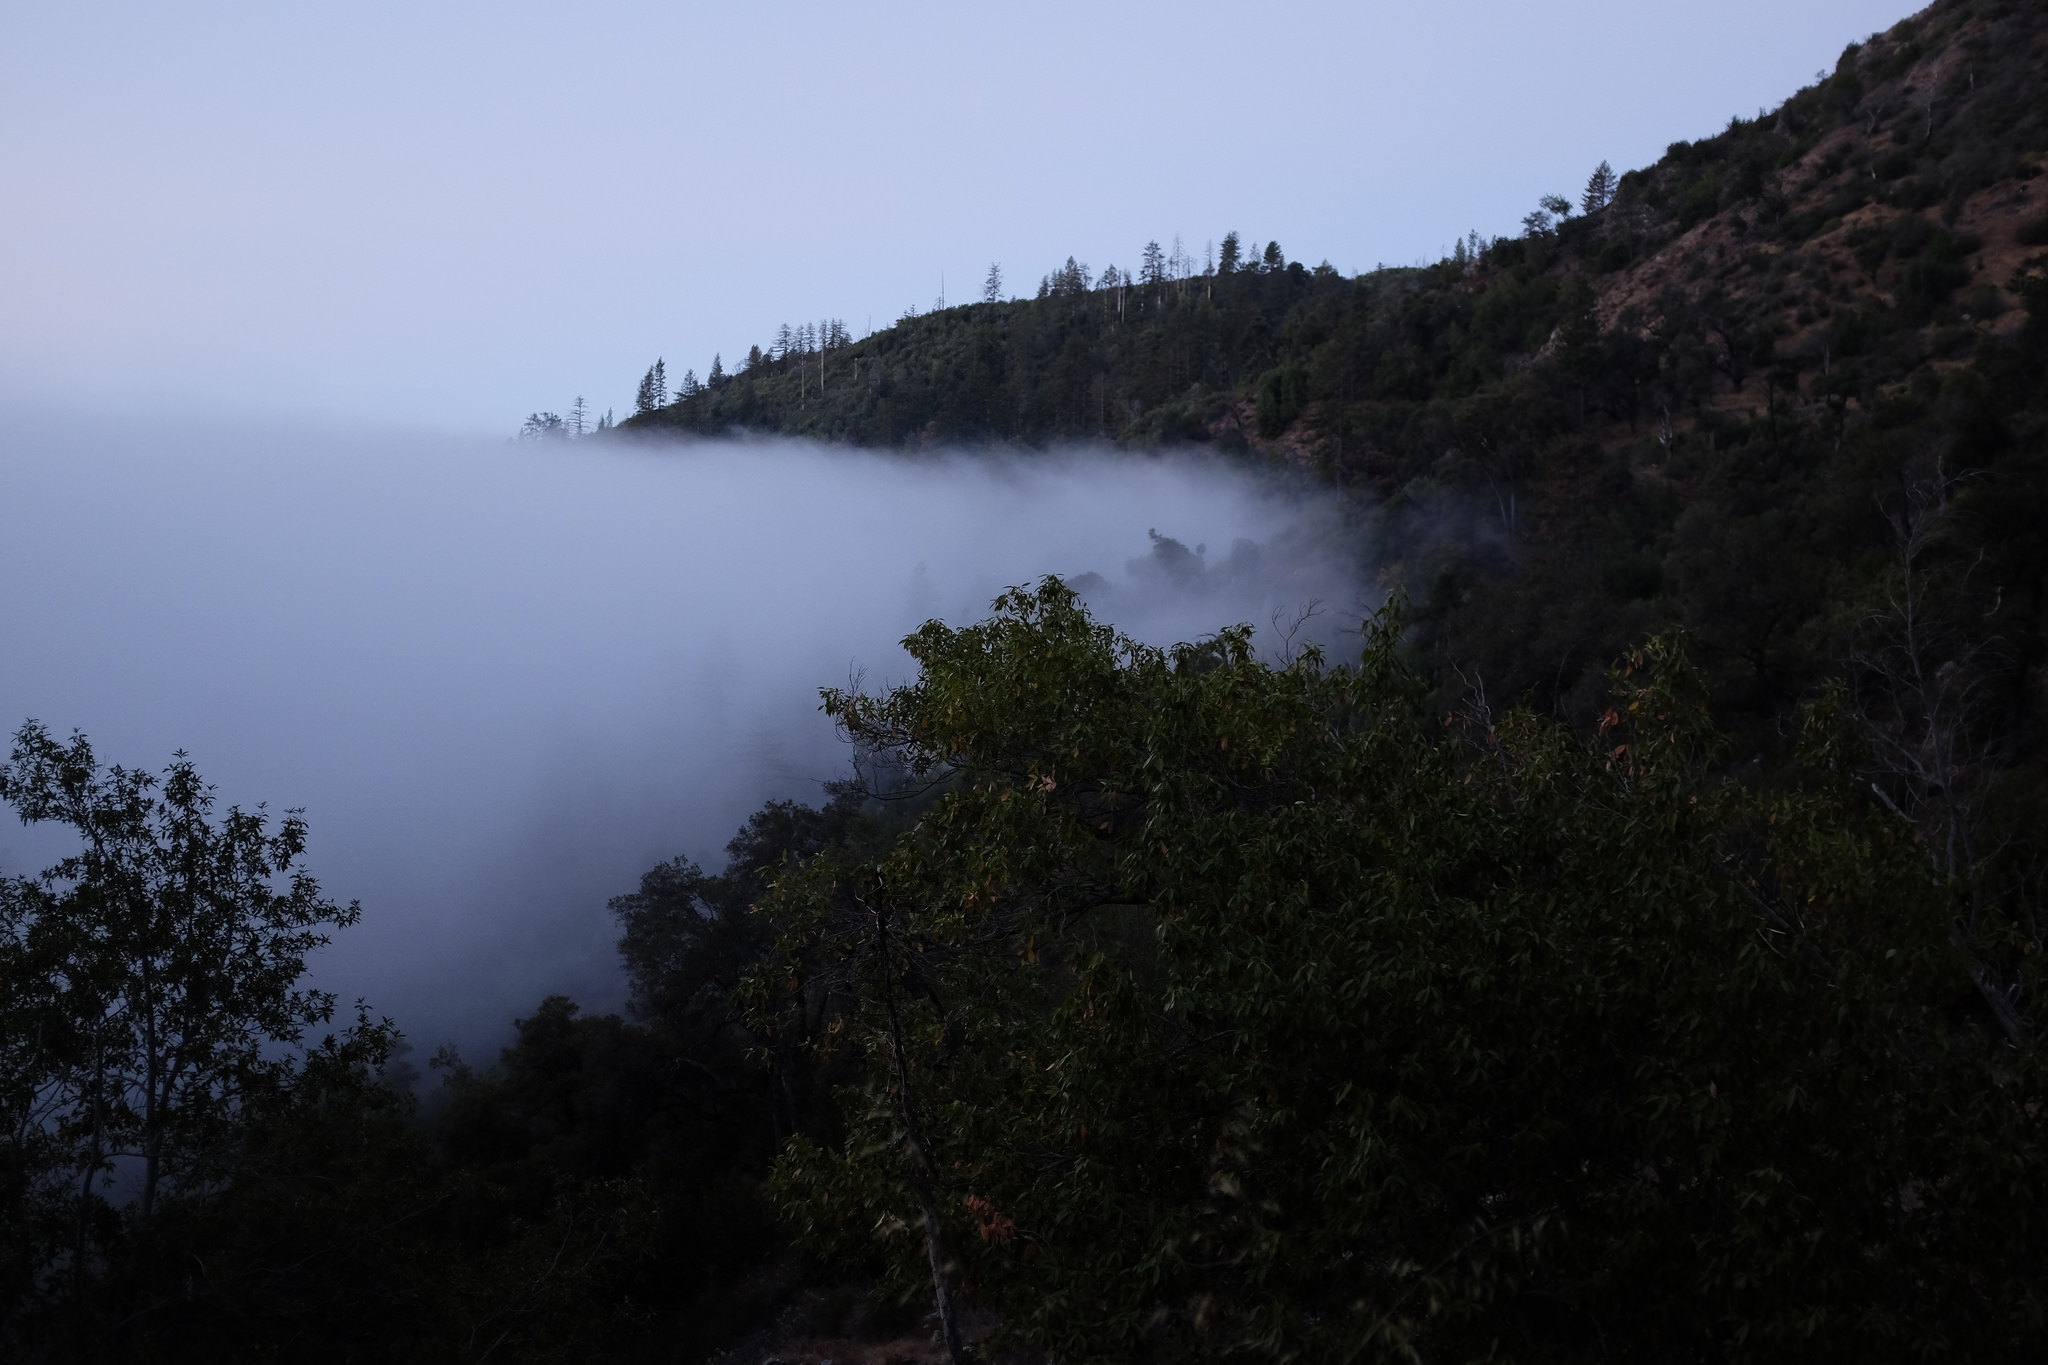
(1275, 259)
(1153, 269)
(785, 340)
(992, 287)
(577, 417)
(653, 392)
(1069, 281)
(717, 375)
(1600, 189)
(1227, 255)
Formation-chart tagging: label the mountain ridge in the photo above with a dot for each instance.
(1873, 84)
(1697, 403)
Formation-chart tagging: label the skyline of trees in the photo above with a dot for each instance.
(1159, 266)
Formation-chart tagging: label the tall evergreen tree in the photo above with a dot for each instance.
(1227, 254)
(1152, 267)
(992, 287)
(1599, 189)
(653, 392)
(1069, 281)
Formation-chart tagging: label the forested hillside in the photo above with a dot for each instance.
(1714, 392)
(1634, 949)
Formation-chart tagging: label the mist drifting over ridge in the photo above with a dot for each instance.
(504, 681)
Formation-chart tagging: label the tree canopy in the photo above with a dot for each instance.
(1251, 1012)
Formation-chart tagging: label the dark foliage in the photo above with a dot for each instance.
(1253, 1010)
(1231, 1011)
(595, 1194)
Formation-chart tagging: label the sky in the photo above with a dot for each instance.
(504, 681)
(444, 216)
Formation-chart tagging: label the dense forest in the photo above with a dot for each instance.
(1633, 951)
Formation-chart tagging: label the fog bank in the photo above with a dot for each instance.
(504, 681)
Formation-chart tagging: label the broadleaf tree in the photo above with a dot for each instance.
(159, 972)
(1222, 1008)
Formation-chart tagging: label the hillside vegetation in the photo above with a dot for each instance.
(1717, 399)
(1634, 951)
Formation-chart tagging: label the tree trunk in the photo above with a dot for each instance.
(152, 1118)
(923, 1178)
(94, 1156)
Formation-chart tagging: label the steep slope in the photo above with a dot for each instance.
(1733, 397)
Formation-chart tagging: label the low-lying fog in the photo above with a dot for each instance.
(505, 680)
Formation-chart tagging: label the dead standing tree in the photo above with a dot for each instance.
(1924, 683)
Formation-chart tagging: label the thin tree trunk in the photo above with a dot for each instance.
(152, 1131)
(923, 1178)
(94, 1156)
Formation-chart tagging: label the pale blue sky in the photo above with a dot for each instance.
(449, 214)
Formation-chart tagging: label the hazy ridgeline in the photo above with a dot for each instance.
(504, 681)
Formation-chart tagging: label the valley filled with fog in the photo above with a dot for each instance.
(504, 680)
